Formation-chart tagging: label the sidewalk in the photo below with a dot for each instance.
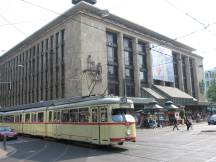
(5, 153)
(179, 125)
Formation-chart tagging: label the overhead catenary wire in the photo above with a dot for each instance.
(206, 26)
(92, 51)
(66, 16)
(13, 25)
(20, 22)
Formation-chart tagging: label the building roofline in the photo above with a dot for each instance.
(87, 7)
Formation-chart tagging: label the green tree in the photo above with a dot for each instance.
(211, 93)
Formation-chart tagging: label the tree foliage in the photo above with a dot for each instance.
(211, 93)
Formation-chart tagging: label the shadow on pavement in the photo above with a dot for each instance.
(39, 150)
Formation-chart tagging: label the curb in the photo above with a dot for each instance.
(8, 152)
(208, 131)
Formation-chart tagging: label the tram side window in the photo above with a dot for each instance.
(27, 118)
(33, 117)
(40, 117)
(56, 116)
(9, 119)
(50, 116)
(122, 115)
(94, 115)
(103, 115)
(20, 117)
(83, 115)
(17, 119)
(65, 116)
(74, 115)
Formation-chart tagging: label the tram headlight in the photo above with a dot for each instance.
(128, 132)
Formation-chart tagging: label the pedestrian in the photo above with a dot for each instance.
(190, 121)
(175, 124)
(188, 124)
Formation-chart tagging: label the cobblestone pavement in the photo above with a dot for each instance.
(153, 145)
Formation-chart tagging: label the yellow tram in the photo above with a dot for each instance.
(97, 120)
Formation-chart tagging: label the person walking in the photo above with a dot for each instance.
(188, 124)
(175, 124)
(190, 121)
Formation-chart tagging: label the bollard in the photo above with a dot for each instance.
(4, 142)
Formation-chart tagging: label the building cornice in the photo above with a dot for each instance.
(82, 6)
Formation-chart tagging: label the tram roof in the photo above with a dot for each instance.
(49, 103)
(64, 102)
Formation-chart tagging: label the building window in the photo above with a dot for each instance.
(42, 47)
(175, 67)
(129, 70)
(47, 44)
(143, 76)
(112, 72)
(62, 63)
(56, 40)
(51, 42)
(112, 62)
(184, 73)
(142, 61)
(192, 77)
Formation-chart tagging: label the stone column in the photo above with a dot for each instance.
(180, 73)
(149, 65)
(136, 67)
(188, 74)
(196, 84)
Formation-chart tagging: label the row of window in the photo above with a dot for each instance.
(113, 67)
(210, 74)
(68, 115)
(113, 64)
(36, 74)
(184, 72)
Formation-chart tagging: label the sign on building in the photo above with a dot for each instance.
(162, 63)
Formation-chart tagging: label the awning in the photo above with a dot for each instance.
(170, 106)
(153, 106)
(153, 93)
(140, 100)
(173, 92)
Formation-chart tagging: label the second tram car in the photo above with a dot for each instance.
(97, 120)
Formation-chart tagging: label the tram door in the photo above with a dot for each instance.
(95, 125)
(103, 126)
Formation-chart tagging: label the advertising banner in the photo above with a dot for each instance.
(162, 63)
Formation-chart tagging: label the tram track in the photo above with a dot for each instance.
(183, 147)
(35, 153)
(121, 151)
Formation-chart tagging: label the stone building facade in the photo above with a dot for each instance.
(210, 79)
(84, 52)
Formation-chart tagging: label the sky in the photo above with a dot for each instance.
(192, 22)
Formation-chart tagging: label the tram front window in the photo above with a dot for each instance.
(122, 115)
